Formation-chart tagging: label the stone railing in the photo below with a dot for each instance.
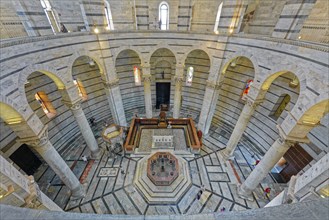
(299, 43)
(317, 209)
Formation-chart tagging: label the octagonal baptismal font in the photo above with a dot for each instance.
(162, 168)
(162, 177)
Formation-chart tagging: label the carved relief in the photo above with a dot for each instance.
(111, 84)
(213, 85)
(147, 78)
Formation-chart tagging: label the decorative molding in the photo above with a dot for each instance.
(38, 141)
(214, 85)
(179, 79)
(111, 84)
(147, 78)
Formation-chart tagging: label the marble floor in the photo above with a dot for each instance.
(109, 181)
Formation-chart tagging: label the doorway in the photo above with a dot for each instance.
(162, 94)
(26, 159)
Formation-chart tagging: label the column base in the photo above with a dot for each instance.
(225, 156)
(96, 155)
(78, 193)
(243, 194)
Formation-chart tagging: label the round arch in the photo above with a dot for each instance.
(124, 49)
(76, 55)
(233, 56)
(153, 52)
(194, 49)
(10, 112)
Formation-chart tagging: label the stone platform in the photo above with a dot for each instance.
(155, 194)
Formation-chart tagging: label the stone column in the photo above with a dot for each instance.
(147, 90)
(178, 96)
(47, 151)
(179, 78)
(247, 111)
(208, 106)
(272, 157)
(85, 129)
(113, 95)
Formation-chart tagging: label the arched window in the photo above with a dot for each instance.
(108, 15)
(189, 76)
(137, 76)
(218, 17)
(280, 106)
(81, 89)
(164, 16)
(50, 16)
(46, 105)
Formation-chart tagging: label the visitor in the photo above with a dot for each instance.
(84, 158)
(203, 188)
(92, 121)
(222, 209)
(198, 196)
(63, 28)
(122, 171)
(267, 192)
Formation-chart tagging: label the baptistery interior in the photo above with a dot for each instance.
(151, 109)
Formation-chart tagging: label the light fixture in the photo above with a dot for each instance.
(231, 30)
(108, 28)
(216, 32)
(96, 31)
(299, 37)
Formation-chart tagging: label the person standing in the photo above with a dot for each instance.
(267, 192)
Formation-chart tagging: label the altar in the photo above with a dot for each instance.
(146, 134)
(162, 138)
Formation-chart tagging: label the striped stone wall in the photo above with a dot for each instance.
(132, 96)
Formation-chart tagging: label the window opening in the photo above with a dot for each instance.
(246, 89)
(81, 90)
(137, 76)
(218, 17)
(50, 16)
(189, 76)
(280, 106)
(164, 16)
(45, 104)
(108, 15)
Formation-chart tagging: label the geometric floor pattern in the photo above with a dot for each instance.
(116, 194)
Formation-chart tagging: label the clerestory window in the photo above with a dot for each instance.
(218, 17)
(108, 15)
(50, 16)
(164, 16)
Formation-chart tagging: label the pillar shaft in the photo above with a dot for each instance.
(113, 95)
(58, 165)
(272, 156)
(147, 94)
(177, 96)
(208, 106)
(241, 125)
(85, 130)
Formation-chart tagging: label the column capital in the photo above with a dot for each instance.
(290, 140)
(145, 65)
(253, 103)
(73, 105)
(147, 78)
(179, 79)
(37, 141)
(214, 85)
(111, 84)
(180, 66)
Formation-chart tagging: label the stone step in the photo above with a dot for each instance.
(174, 185)
(164, 199)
